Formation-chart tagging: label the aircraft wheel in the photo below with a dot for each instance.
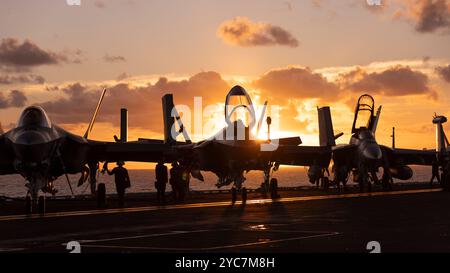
(272, 192)
(384, 184)
(446, 182)
(244, 195)
(28, 205)
(361, 186)
(101, 195)
(41, 204)
(233, 195)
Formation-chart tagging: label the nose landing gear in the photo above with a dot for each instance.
(28, 205)
(34, 203)
(234, 192)
(41, 204)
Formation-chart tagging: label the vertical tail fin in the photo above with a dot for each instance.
(326, 133)
(167, 106)
(375, 120)
(170, 114)
(123, 126)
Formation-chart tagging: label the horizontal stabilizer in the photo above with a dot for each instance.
(338, 135)
(291, 141)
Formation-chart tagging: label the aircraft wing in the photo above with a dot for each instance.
(147, 150)
(409, 156)
(141, 151)
(6, 158)
(343, 154)
(302, 155)
(285, 151)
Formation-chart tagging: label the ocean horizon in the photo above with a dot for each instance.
(143, 181)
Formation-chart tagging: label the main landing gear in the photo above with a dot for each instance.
(234, 193)
(101, 195)
(28, 205)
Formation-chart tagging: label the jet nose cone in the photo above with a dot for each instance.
(30, 138)
(372, 152)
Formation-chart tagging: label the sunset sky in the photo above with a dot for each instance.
(296, 54)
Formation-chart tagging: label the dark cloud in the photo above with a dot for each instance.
(113, 59)
(432, 15)
(144, 103)
(243, 32)
(297, 83)
(427, 15)
(303, 83)
(122, 76)
(395, 81)
(26, 54)
(15, 98)
(26, 78)
(444, 72)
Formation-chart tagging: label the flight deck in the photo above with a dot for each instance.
(409, 218)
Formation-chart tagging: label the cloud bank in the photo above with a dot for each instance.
(241, 31)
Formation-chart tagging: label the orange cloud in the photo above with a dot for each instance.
(296, 83)
(395, 81)
(444, 72)
(144, 103)
(296, 90)
(243, 32)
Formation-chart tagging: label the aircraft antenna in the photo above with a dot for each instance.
(393, 137)
(94, 116)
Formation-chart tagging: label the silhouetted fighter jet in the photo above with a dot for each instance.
(231, 152)
(234, 151)
(364, 156)
(41, 151)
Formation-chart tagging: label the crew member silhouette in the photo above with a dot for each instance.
(435, 173)
(121, 179)
(161, 182)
